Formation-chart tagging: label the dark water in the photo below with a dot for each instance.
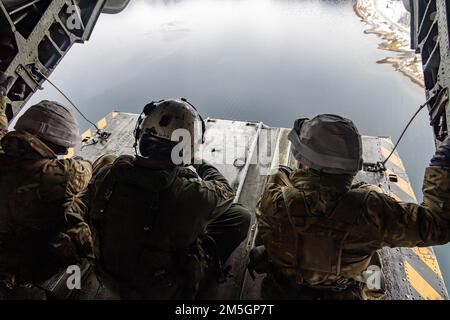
(267, 60)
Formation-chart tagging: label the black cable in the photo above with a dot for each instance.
(70, 101)
(383, 163)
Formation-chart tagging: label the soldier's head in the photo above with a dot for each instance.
(327, 143)
(169, 131)
(52, 123)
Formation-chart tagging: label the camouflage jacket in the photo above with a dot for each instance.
(3, 119)
(41, 207)
(325, 211)
(146, 219)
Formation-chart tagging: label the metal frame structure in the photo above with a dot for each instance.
(430, 37)
(35, 35)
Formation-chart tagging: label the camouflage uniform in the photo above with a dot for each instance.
(41, 224)
(3, 119)
(167, 219)
(307, 264)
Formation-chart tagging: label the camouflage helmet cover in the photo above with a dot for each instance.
(52, 122)
(329, 143)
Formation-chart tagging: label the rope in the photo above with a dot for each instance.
(383, 163)
(70, 101)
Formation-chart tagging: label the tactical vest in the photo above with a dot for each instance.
(308, 246)
(124, 216)
(31, 214)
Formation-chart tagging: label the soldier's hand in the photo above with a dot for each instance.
(187, 173)
(64, 249)
(442, 155)
(259, 261)
(5, 81)
(198, 161)
(200, 166)
(81, 236)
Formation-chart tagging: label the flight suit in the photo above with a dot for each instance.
(173, 225)
(320, 234)
(41, 211)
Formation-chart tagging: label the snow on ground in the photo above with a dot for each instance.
(390, 21)
(395, 11)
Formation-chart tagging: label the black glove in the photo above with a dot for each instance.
(442, 156)
(259, 261)
(5, 81)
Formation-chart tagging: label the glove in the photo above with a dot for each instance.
(5, 81)
(71, 245)
(442, 156)
(259, 261)
(64, 249)
(81, 236)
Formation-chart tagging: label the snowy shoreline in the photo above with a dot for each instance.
(388, 20)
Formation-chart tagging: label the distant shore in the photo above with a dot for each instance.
(391, 25)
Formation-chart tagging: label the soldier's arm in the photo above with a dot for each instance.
(4, 84)
(271, 202)
(79, 175)
(411, 224)
(3, 118)
(266, 210)
(210, 173)
(212, 190)
(74, 240)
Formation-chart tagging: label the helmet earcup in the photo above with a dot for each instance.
(201, 119)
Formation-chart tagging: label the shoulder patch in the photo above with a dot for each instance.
(224, 191)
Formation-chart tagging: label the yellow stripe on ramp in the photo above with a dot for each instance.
(389, 140)
(102, 123)
(70, 153)
(421, 285)
(86, 135)
(394, 158)
(404, 185)
(396, 197)
(428, 258)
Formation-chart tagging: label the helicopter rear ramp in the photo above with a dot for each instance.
(246, 152)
